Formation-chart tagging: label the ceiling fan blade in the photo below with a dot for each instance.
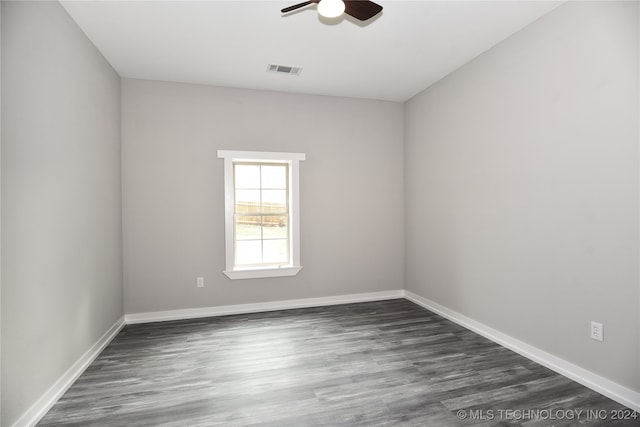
(297, 6)
(361, 9)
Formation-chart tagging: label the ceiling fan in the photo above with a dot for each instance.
(359, 9)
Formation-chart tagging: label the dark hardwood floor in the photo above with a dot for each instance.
(369, 364)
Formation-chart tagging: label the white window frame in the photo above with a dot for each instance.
(293, 160)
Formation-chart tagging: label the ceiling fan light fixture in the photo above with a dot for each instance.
(331, 8)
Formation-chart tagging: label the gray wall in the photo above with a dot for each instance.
(61, 200)
(173, 204)
(522, 192)
(522, 188)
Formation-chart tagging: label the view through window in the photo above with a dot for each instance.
(261, 214)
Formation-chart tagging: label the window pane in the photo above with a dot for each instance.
(247, 201)
(247, 176)
(248, 227)
(274, 201)
(276, 251)
(275, 227)
(274, 176)
(248, 252)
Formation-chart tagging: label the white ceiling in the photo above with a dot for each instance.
(396, 55)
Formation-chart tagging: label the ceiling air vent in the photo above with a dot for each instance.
(284, 69)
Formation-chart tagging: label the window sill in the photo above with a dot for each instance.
(262, 273)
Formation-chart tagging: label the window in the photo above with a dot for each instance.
(262, 226)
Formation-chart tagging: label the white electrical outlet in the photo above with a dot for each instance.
(200, 282)
(597, 332)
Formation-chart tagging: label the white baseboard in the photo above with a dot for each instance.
(46, 402)
(224, 310)
(595, 382)
(42, 406)
(602, 385)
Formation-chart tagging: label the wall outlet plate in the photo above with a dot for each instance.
(200, 282)
(597, 331)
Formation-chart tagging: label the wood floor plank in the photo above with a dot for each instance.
(387, 363)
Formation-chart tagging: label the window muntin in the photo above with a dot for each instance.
(255, 246)
(261, 214)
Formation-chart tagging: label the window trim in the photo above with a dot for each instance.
(293, 159)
